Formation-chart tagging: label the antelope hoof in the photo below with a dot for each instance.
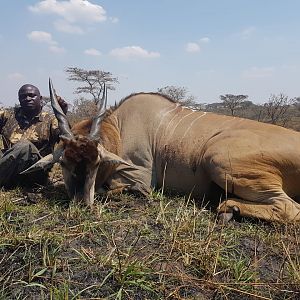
(232, 213)
(224, 218)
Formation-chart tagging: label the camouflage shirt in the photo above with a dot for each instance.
(42, 130)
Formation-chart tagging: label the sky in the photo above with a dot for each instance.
(210, 47)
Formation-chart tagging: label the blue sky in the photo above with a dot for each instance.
(210, 47)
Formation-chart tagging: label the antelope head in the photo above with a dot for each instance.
(80, 154)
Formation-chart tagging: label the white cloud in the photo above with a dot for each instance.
(192, 47)
(256, 72)
(92, 52)
(57, 49)
(72, 10)
(114, 19)
(46, 38)
(247, 32)
(64, 26)
(15, 76)
(41, 37)
(205, 40)
(289, 67)
(133, 52)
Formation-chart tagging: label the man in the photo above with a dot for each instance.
(28, 133)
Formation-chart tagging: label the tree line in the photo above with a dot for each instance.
(279, 109)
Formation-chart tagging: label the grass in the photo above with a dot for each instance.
(137, 248)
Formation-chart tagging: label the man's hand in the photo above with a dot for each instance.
(63, 104)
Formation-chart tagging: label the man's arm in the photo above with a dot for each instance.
(63, 104)
(54, 130)
(3, 119)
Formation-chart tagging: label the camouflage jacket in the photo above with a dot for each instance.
(42, 130)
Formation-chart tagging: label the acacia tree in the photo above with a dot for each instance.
(93, 81)
(179, 94)
(233, 102)
(297, 102)
(81, 109)
(277, 108)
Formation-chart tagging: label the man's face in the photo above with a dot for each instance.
(30, 98)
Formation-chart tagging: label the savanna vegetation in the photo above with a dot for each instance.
(160, 247)
(135, 248)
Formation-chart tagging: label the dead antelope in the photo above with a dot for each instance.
(148, 141)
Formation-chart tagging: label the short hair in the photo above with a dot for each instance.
(27, 85)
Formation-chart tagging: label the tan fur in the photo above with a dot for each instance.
(109, 134)
(83, 150)
(167, 145)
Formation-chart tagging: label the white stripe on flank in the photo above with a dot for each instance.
(162, 119)
(232, 119)
(204, 113)
(175, 115)
(174, 128)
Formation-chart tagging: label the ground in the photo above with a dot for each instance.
(139, 248)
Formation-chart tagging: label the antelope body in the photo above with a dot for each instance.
(149, 141)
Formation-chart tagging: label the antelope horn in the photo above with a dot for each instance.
(63, 124)
(101, 104)
(46, 162)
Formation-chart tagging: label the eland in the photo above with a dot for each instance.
(150, 141)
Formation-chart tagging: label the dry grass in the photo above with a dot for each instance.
(132, 248)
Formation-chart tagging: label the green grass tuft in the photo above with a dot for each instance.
(133, 248)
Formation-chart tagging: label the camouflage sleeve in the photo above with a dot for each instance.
(54, 132)
(3, 119)
(4, 115)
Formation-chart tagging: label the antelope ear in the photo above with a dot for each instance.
(111, 158)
